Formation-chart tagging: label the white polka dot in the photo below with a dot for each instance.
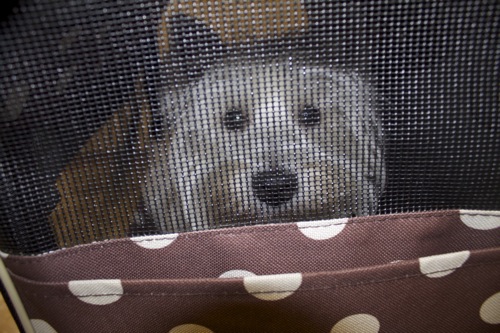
(155, 242)
(272, 287)
(97, 292)
(41, 326)
(481, 220)
(190, 328)
(358, 323)
(236, 273)
(320, 230)
(443, 264)
(490, 310)
(3, 255)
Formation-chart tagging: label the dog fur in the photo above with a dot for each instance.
(202, 174)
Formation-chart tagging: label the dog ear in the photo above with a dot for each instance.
(174, 101)
(188, 47)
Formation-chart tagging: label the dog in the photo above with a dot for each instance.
(265, 140)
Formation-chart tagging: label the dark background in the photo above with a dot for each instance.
(66, 66)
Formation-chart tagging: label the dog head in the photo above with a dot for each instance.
(259, 141)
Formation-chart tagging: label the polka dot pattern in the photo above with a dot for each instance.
(490, 310)
(41, 326)
(155, 242)
(97, 292)
(272, 287)
(236, 273)
(364, 278)
(441, 265)
(481, 220)
(358, 323)
(319, 230)
(190, 328)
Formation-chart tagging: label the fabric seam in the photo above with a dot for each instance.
(340, 286)
(88, 248)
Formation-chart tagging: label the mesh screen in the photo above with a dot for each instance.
(124, 118)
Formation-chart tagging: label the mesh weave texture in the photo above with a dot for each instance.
(124, 118)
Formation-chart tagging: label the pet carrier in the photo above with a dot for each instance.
(250, 166)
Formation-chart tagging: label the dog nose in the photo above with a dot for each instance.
(275, 187)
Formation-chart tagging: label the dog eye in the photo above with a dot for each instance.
(309, 115)
(234, 120)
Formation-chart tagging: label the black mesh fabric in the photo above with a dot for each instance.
(123, 118)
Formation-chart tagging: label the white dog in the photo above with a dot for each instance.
(266, 140)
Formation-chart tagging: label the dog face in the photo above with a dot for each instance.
(266, 141)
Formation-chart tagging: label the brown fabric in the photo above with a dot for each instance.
(370, 274)
(102, 160)
(247, 21)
